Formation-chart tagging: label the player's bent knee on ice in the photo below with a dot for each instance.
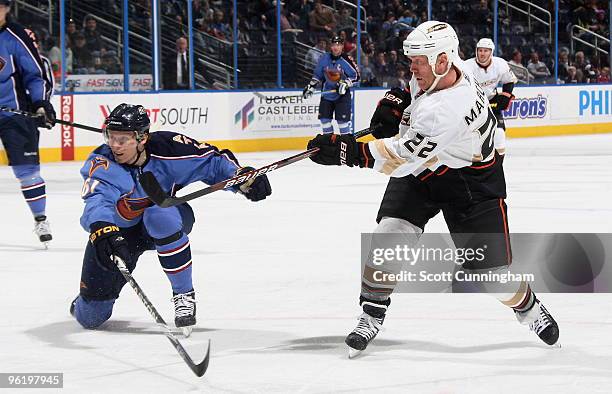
(91, 314)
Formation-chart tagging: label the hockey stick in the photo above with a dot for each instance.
(157, 194)
(264, 97)
(58, 121)
(198, 369)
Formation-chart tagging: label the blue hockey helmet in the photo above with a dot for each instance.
(128, 117)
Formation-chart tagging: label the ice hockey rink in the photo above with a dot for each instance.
(277, 284)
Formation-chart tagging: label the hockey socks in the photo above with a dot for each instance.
(32, 187)
(174, 254)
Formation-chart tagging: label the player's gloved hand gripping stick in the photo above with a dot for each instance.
(157, 194)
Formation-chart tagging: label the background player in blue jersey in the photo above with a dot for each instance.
(25, 86)
(123, 222)
(336, 71)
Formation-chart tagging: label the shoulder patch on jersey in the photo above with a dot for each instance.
(96, 163)
(2, 63)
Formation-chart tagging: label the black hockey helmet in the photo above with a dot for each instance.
(7, 3)
(128, 117)
(337, 39)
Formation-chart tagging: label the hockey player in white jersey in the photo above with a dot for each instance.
(490, 71)
(442, 159)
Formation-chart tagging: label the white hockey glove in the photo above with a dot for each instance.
(309, 90)
(343, 86)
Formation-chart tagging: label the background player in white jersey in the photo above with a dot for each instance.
(490, 71)
(443, 159)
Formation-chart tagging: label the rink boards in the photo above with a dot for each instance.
(279, 120)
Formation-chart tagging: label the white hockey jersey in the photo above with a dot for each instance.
(452, 127)
(497, 72)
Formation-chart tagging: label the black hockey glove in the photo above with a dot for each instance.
(388, 115)
(501, 101)
(45, 112)
(336, 150)
(108, 242)
(256, 189)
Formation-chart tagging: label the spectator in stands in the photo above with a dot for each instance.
(55, 57)
(396, 43)
(82, 59)
(344, 20)
(110, 63)
(423, 18)
(71, 29)
(300, 10)
(537, 68)
(286, 24)
(517, 58)
(380, 66)
(604, 75)
(321, 19)
(176, 68)
(314, 54)
(349, 44)
(219, 27)
(571, 75)
(563, 64)
(482, 13)
(392, 64)
(398, 80)
(408, 19)
(395, 6)
(93, 41)
(591, 71)
(581, 63)
(367, 75)
(388, 24)
(586, 15)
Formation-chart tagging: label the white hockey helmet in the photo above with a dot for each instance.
(431, 39)
(486, 43)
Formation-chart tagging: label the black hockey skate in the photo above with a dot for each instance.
(370, 323)
(42, 229)
(541, 322)
(185, 311)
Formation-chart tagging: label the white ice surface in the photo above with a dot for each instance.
(277, 285)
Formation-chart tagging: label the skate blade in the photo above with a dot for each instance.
(556, 345)
(186, 331)
(353, 353)
(45, 244)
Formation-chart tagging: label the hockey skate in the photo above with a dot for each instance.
(541, 322)
(42, 229)
(366, 330)
(185, 311)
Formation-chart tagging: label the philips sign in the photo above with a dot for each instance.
(595, 102)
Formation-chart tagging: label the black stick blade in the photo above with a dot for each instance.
(201, 368)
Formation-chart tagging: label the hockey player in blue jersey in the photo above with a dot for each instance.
(123, 222)
(24, 85)
(335, 71)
